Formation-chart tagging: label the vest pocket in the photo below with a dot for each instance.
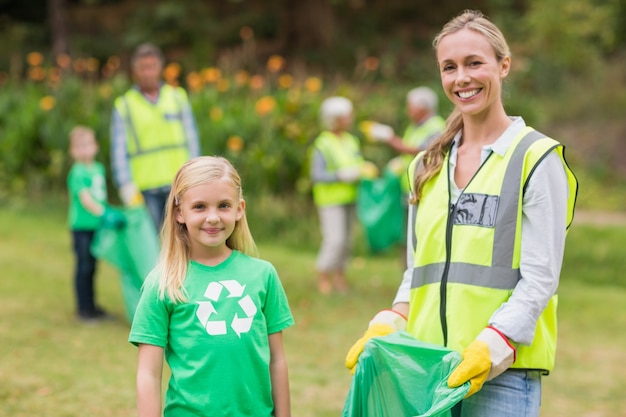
(476, 210)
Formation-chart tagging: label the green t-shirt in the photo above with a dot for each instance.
(216, 343)
(92, 178)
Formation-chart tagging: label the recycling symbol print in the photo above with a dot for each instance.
(219, 293)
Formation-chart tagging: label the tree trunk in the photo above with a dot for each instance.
(57, 15)
(308, 24)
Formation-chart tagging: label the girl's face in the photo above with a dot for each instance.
(210, 211)
(84, 149)
(471, 75)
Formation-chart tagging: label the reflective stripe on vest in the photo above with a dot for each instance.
(156, 143)
(344, 152)
(415, 136)
(466, 273)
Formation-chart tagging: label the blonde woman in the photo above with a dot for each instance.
(214, 310)
(492, 200)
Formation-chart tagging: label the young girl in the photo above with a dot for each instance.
(492, 200)
(214, 311)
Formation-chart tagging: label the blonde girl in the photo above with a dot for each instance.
(214, 310)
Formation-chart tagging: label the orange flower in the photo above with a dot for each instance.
(113, 62)
(313, 84)
(285, 81)
(256, 82)
(371, 63)
(246, 33)
(234, 144)
(194, 81)
(265, 105)
(37, 73)
(47, 103)
(34, 59)
(64, 61)
(241, 77)
(211, 75)
(275, 63)
(216, 114)
(79, 65)
(172, 72)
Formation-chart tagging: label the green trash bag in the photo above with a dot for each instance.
(379, 210)
(398, 375)
(133, 250)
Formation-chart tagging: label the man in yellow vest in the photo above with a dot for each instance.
(153, 132)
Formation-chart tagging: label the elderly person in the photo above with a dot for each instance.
(336, 163)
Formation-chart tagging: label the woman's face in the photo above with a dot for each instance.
(471, 75)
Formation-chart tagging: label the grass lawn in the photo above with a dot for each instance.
(53, 366)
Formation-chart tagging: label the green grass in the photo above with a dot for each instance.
(52, 365)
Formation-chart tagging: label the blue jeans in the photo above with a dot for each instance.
(155, 200)
(515, 393)
(85, 271)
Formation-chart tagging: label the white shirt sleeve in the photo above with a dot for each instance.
(404, 291)
(544, 218)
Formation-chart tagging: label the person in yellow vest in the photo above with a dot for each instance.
(335, 169)
(492, 200)
(153, 133)
(425, 125)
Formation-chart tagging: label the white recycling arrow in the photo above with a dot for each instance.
(247, 305)
(204, 311)
(213, 291)
(241, 325)
(235, 289)
(215, 328)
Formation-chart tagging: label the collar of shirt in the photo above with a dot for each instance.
(500, 146)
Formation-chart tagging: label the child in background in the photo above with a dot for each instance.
(336, 164)
(87, 212)
(216, 312)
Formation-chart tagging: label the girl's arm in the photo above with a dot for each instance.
(279, 376)
(149, 371)
(89, 203)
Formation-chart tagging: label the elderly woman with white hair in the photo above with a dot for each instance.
(336, 164)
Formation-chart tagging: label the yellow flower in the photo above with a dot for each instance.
(105, 91)
(222, 85)
(256, 82)
(216, 114)
(34, 59)
(313, 84)
(241, 77)
(92, 64)
(211, 75)
(64, 61)
(275, 63)
(265, 105)
(285, 81)
(47, 103)
(234, 143)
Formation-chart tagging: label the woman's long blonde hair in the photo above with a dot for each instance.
(435, 153)
(176, 247)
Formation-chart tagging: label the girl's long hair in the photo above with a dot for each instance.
(435, 153)
(176, 247)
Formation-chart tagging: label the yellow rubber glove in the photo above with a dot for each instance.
(382, 324)
(485, 358)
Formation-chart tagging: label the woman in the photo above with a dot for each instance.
(492, 200)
